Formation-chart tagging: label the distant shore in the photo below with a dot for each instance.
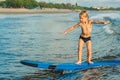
(37, 11)
(32, 11)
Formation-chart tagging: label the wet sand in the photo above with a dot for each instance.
(32, 11)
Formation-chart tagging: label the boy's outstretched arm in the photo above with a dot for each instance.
(99, 22)
(71, 28)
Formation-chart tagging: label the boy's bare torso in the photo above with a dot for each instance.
(86, 29)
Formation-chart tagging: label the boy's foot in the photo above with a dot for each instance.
(90, 62)
(78, 62)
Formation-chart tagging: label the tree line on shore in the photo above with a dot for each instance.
(31, 4)
(18, 4)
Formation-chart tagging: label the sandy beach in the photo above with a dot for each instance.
(32, 11)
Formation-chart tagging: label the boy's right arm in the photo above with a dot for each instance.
(71, 28)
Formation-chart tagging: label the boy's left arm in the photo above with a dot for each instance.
(99, 22)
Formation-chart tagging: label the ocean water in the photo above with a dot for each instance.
(39, 37)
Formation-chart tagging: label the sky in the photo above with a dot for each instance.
(88, 3)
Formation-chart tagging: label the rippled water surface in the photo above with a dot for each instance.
(39, 37)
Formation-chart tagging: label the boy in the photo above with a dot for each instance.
(86, 27)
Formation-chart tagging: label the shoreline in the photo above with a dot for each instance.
(38, 11)
(33, 11)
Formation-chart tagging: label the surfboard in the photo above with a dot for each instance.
(69, 66)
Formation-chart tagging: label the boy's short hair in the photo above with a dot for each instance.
(84, 13)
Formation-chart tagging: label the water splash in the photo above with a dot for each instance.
(108, 29)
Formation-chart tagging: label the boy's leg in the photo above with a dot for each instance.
(80, 45)
(89, 50)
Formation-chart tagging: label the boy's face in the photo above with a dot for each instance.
(83, 18)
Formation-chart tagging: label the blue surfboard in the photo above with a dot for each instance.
(69, 66)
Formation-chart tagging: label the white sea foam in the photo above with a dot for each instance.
(110, 15)
(107, 29)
